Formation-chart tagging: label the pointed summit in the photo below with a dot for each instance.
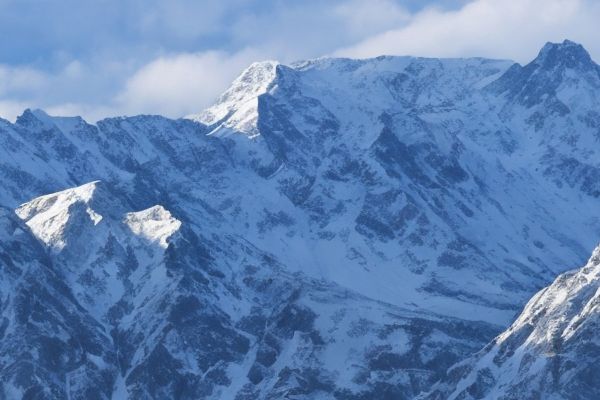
(566, 54)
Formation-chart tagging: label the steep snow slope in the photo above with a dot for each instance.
(551, 351)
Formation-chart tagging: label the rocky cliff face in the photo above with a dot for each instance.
(331, 229)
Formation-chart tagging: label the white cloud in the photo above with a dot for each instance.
(371, 16)
(183, 19)
(23, 79)
(85, 88)
(183, 83)
(491, 28)
(173, 85)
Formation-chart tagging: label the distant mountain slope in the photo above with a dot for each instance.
(551, 351)
(418, 162)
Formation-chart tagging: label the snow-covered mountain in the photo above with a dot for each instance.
(550, 352)
(330, 229)
(148, 308)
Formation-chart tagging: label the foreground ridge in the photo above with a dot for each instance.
(551, 351)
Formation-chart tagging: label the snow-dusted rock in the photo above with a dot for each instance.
(155, 224)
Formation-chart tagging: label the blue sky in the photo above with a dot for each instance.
(173, 57)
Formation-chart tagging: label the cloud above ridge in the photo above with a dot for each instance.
(175, 57)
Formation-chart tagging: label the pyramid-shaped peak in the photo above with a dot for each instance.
(566, 54)
(251, 83)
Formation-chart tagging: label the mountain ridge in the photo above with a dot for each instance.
(226, 258)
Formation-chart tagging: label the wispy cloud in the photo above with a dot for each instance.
(181, 84)
(499, 29)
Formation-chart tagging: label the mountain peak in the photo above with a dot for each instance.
(566, 54)
(557, 66)
(47, 216)
(252, 82)
(83, 193)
